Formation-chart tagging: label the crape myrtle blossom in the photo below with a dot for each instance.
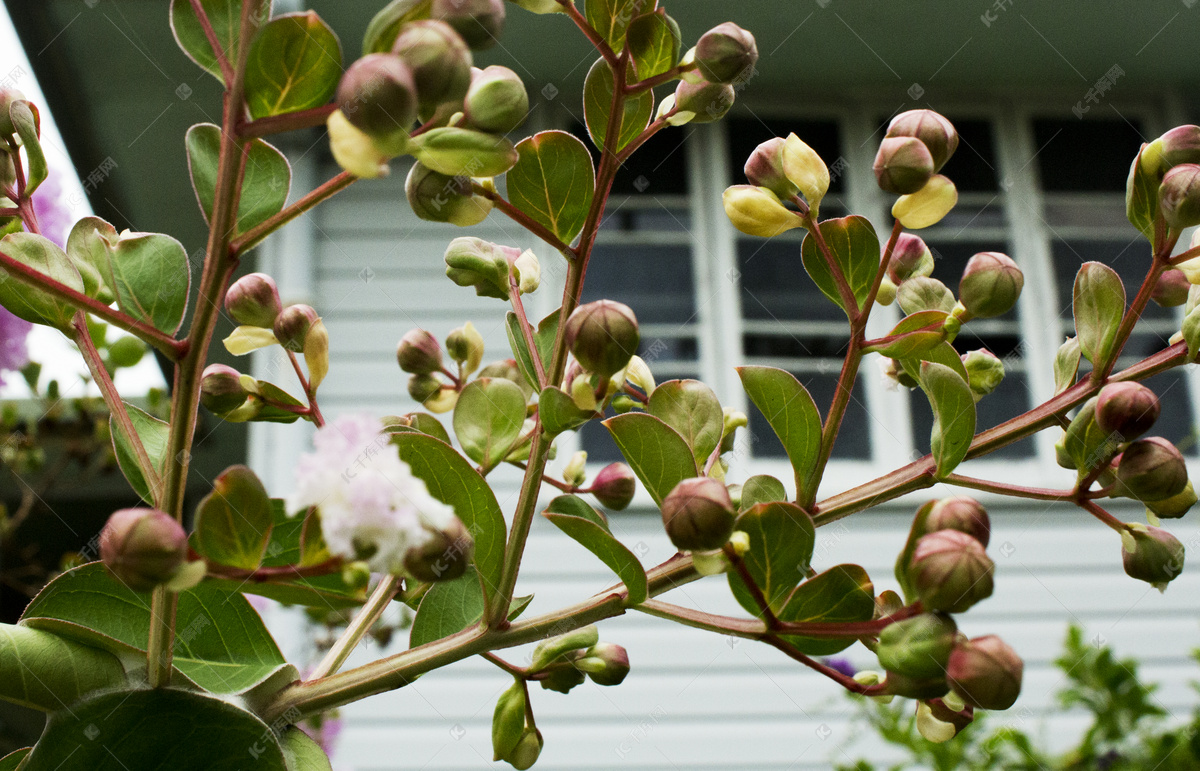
(371, 506)
(13, 351)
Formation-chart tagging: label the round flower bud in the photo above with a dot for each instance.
(419, 353)
(378, 95)
(707, 102)
(440, 198)
(985, 673)
(950, 571)
(497, 101)
(726, 54)
(990, 285)
(984, 371)
(444, 557)
(422, 388)
(605, 663)
(887, 292)
(903, 165)
(961, 513)
(764, 168)
(293, 324)
(1126, 409)
(1180, 145)
(910, 258)
(508, 721)
(1179, 196)
(1172, 288)
(918, 647)
(914, 687)
(465, 346)
(698, 514)
(478, 21)
(934, 131)
(439, 60)
(1151, 554)
(143, 548)
(221, 388)
(1151, 470)
(253, 300)
(1175, 506)
(527, 750)
(614, 486)
(7, 97)
(603, 336)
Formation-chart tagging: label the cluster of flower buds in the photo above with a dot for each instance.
(420, 355)
(143, 548)
(563, 662)
(917, 144)
(948, 569)
(1172, 164)
(603, 336)
(723, 60)
(492, 269)
(778, 170)
(699, 514)
(515, 739)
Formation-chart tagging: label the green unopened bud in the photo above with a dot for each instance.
(756, 211)
(143, 548)
(465, 346)
(1061, 456)
(479, 22)
(910, 258)
(1180, 145)
(698, 514)
(731, 421)
(221, 389)
(764, 168)
(1171, 289)
(555, 649)
(950, 571)
(726, 54)
(443, 557)
(508, 721)
(356, 575)
(480, 264)
(985, 371)
(527, 750)
(1151, 554)
(961, 513)
(605, 663)
(497, 101)
(292, 326)
(563, 678)
(422, 388)
(439, 60)
(705, 102)
(7, 97)
(991, 284)
(1151, 470)
(928, 205)
(1126, 409)
(419, 353)
(1175, 506)
(1179, 196)
(916, 688)
(614, 486)
(887, 292)
(934, 131)
(441, 198)
(253, 300)
(378, 96)
(603, 336)
(918, 647)
(903, 165)
(985, 673)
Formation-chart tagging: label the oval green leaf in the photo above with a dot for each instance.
(302, 753)
(225, 17)
(150, 276)
(488, 419)
(154, 434)
(792, 415)
(1099, 304)
(553, 182)
(953, 415)
(234, 521)
(268, 176)
(781, 547)
(447, 608)
(558, 412)
(577, 519)
(693, 410)
(656, 452)
(914, 335)
(295, 63)
(597, 104)
(611, 18)
(654, 40)
(855, 249)
(42, 671)
(12, 761)
(761, 488)
(943, 353)
(1066, 364)
(44, 256)
(842, 594)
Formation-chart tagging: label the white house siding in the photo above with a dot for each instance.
(693, 699)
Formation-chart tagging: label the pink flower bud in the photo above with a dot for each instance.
(253, 300)
(496, 101)
(292, 326)
(1179, 196)
(419, 353)
(707, 101)
(444, 557)
(934, 131)
(439, 60)
(910, 258)
(1151, 554)
(1126, 409)
(605, 663)
(727, 54)
(986, 673)
(1181, 145)
(1151, 470)
(990, 285)
(698, 514)
(480, 22)
(903, 165)
(221, 389)
(950, 571)
(764, 168)
(378, 96)
(961, 513)
(1172, 288)
(614, 486)
(143, 548)
(918, 647)
(603, 336)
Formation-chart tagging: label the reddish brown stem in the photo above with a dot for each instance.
(523, 219)
(672, 74)
(847, 682)
(309, 394)
(268, 226)
(743, 572)
(514, 294)
(291, 121)
(1097, 511)
(1185, 256)
(213, 41)
(593, 36)
(279, 572)
(1016, 491)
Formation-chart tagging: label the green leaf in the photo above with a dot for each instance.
(295, 63)
(1099, 303)
(543, 338)
(87, 246)
(149, 274)
(943, 354)
(156, 730)
(762, 488)
(1066, 364)
(559, 413)
(302, 753)
(693, 410)
(855, 249)
(914, 335)
(781, 547)
(573, 516)
(234, 521)
(12, 761)
(221, 644)
(905, 558)
(155, 435)
(420, 422)
(611, 18)
(520, 349)
(384, 27)
(488, 419)
(265, 186)
(656, 452)
(225, 17)
(924, 293)
(43, 671)
(1141, 189)
(464, 152)
(1086, 443)
(23, 120)
(452, 481)
(842, 594)
(953, 415)
(447, 608)
(792, 415)
(654, 41)
(553, 182)
(597, 104)
(44, 256)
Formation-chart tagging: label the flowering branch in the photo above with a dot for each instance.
(523, 219)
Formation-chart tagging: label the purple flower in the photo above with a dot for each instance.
(841, 665)
(13, 354)
(324, 730)
(53, 212)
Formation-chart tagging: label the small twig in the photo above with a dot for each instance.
(517, 672)
(847, 682)
(1101, 514)
(514, 294)
(309, 394)
(599, 43)
(658, 80)
(744, 573)
(268, 226)
(523, 219)
(211, 34)
(1016, 491)
(291, 121)
(366, 618)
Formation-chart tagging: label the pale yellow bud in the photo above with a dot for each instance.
(575, 471)
(928, 205)
(757, 211)
(529, 271)
(245, 339)
(930, 727)
(638, 373)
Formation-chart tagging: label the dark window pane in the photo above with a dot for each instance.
(1129, 258)
(656, 281)
(1010, 399)
(1089, 155)
(659, 167)
(745, 134)
(785, 345)
(595, 440)
(775, 286)
(853, 442)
